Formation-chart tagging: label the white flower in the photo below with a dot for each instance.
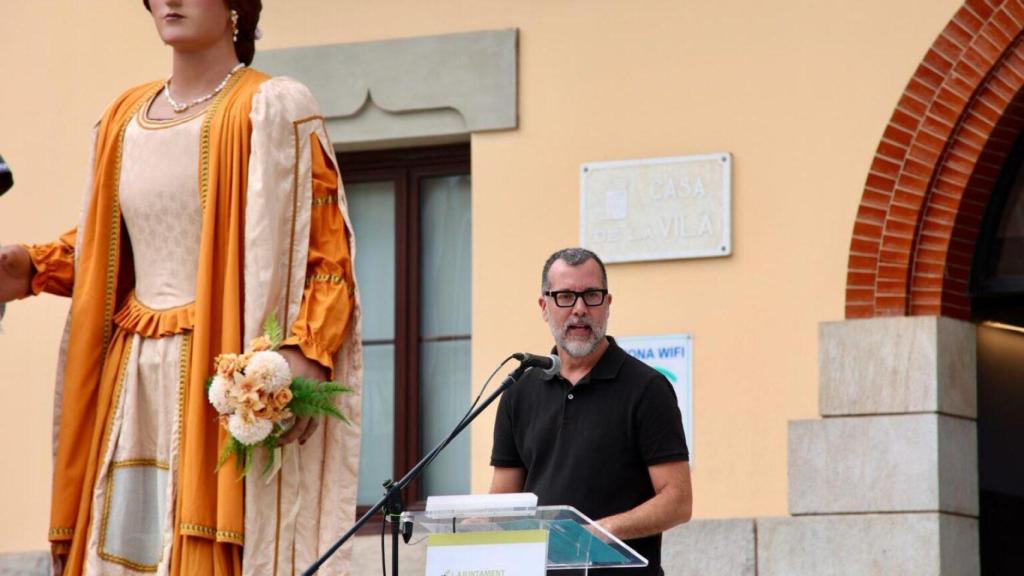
(249, 432)
(269, 369)
(218, 395)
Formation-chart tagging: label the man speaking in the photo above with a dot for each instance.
(605, 435)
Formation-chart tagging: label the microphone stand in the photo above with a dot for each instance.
(391, 502)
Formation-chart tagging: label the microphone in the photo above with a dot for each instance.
(550, 364)
(6, 178)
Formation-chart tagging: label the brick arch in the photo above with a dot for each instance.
(934, 169)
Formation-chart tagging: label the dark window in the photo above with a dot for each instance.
(410, 211)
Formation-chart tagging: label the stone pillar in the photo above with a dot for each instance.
(887, 481)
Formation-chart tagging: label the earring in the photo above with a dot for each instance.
(234, 25)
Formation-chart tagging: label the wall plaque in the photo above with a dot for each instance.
(657, 208)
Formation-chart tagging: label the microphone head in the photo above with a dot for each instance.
(556, 365)
(6, 178)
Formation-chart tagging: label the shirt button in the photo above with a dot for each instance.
(570, 396)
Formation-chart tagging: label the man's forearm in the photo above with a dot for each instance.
(670, 507)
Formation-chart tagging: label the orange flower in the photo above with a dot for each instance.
(260, 343)
(226, 364)
(281, 398)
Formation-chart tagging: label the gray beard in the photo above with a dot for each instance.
(578, 348)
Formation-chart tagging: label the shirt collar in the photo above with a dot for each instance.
(607, 367)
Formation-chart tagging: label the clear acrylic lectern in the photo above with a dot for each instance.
(574, 541)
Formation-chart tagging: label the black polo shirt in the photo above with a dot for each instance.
(589, 445)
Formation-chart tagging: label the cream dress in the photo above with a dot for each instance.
(132, 505)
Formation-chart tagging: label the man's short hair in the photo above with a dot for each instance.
(572, 257)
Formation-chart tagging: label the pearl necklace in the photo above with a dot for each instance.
(180, 107)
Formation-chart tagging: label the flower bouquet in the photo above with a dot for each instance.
(256, 398)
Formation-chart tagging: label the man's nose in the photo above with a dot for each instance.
(580, 308)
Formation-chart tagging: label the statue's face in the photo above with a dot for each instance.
(190, 25)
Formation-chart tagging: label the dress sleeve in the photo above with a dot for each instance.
(327, 299)
(54, 265)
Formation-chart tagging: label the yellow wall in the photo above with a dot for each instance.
(798, 90)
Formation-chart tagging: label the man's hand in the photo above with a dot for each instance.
(302, 367)
(15, 273)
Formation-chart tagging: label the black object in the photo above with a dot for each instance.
(550, 364)
(391, 502)
(6, 178)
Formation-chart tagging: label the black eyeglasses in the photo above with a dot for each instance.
(568, 298)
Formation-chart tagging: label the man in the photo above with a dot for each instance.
(605, 435)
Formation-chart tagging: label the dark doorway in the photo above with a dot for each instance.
(997, 302)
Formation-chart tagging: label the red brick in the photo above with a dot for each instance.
(857, 311)
(857, 262)
(985, 110)
(912, 183)
(919, 90)
(960, 86)
(900, 228)
(998, 84)
(903, 213)
(925, 310)
(893, 257)
(930, 255)
(995, 32)
(927, 297)
(889, 287)
(936, 228)
(1016, 12)
(898, 135)
(1004, 23)
(870, 214)
(936, 126)
(879, 182)
(930, 141)
(859, 294)
(904, 120)
(891, 151)
(980, 9)
(864, 246)
(897, 243)
(907, 198)
(968, 20)
(946, 201)
(927, 283)
(912, 106)
(956, 33)
(950, 98)
(940, 214)
(922, 154)
(990, 95)
(892, 272)
(958, 163)
(918, 168)
(948, 188)
(986, 48)
(886, 168)
(929, 76)
(860, 279)
(928, 268)
(971, 68)
(938, 61)
(929, 242)
(876, 199)
(944, 113)
(890, 306)
(955, 176)
(863, 229)
(949, 50)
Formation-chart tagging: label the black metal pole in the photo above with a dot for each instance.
(410, 476)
